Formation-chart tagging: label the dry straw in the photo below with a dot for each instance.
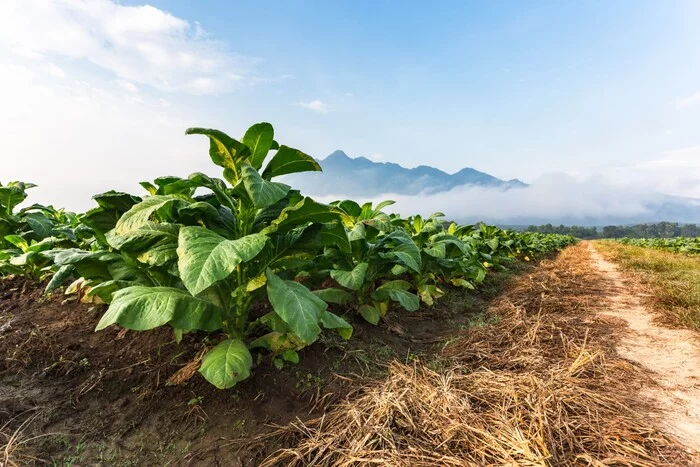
(542, 387)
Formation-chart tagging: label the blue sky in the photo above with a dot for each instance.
(516, 89)
(531, 85)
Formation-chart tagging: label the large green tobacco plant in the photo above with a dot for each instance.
(211, 258)
(369, 259)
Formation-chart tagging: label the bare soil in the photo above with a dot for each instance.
(102, 398)
(564, 367)
(672, 356)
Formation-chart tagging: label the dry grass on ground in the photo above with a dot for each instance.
(673, 279)
(542, 386)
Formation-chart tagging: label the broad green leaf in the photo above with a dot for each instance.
(91, 265)
(357, 232)
(126, 271)
(352, 280)
(265, 216)
(116, 200)
(141, 213)
(436, 250)
(259, 139)
(223, 150)
(204, 257)
(202, 212)
(170, 185)
(278, 341)
(227, 364)
(305, 211)
(39, 223)
(350, 207)
(292, 249)
(149, 187)
(492, 243)
(408, 255)
(17, 241)
(289, 161)
(399, 292)
(290, 356)
(370, 314)
(333, 321)
(59, 277)
(380, 221)
(23, 259)
(159, 254)
(101, 220)
(141, 308)
(333, 295)
(13, 194)
(262, 192)
(367, 211)
(45, 244)
(384, 204)
(296, 305)
(335, 235)
(143, 237)
(106, 289)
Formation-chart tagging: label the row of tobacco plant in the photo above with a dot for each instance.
(246, 259)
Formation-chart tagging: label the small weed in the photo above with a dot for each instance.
(307, 381)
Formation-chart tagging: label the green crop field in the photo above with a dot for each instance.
(690, 246)
(199, 263)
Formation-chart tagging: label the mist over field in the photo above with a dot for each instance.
(553, 198)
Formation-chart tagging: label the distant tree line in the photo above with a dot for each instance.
(658, 230)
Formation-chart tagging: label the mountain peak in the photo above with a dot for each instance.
(347, 176)
(337, 155)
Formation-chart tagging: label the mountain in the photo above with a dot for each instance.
(347, 176)
(471, 196)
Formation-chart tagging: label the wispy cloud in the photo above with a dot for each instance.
(127, 86)
(315, 105)
(55, 70)
(139, 44)
(555, 197)
(94, 125)
(688, 101)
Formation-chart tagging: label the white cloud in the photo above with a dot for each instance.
(77, 138)
(127, 86)
(139, 44)
(675, 173)
(56, 71)
(315, 105)
(555, 197)
(688, 101)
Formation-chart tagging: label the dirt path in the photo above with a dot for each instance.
(673, 355)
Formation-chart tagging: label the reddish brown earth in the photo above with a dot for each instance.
(102, 397)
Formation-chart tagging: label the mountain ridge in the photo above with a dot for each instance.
(360, 176)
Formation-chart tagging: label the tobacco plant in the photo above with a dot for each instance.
(211, 258)
(364, 259)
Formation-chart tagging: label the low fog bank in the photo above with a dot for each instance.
(554, 198)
